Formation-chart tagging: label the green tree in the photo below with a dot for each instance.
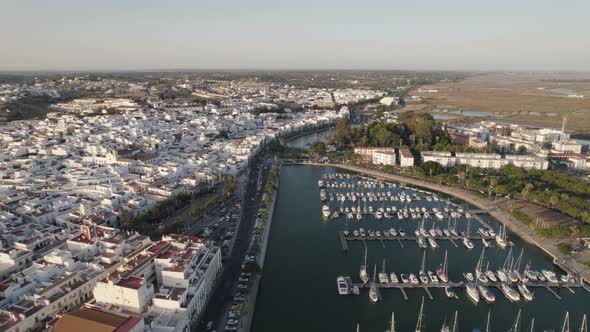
(317, 148)
(341, 133)
(431, 168)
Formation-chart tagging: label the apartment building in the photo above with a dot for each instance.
(406, 158)
(442, 157)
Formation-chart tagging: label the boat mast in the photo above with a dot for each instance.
(392, 322)
(423, 261)
(419, 322)
(507, 259)
(480, 261)
(445, 265)
(519, 259)
(584, 327)
(566, 323)
(516, 325)
(455, 325)
(488, 322)
(358, 327)
(533, 324)
(374, 273)
(365, 265)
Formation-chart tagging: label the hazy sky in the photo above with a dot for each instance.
(299, 34)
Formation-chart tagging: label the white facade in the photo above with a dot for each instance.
(441, 157)
(384, 158)
(406, 158)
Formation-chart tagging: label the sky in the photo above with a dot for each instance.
(301, 34)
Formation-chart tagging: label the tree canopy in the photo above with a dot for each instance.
(317, 148)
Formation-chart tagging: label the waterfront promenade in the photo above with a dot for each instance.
(487, 205)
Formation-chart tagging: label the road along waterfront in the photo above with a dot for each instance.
(298, 289)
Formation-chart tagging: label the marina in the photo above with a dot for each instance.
(328, 247)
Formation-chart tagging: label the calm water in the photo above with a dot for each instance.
(298, 290)
(303, 142)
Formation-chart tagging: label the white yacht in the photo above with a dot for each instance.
(432, 277)
(502, 275)
(383, 278)
(393, 278)
(343, 288)
(525, 292)
(449, 293)
(487, 294)
(432, 242)
(550, 276)
(501, 238)
(467, 243)
(326, 211)
(472, 292)
(404, 278)
(413, 279)
(363, 272)
(373, 292)
(441, 272)
(510, 293)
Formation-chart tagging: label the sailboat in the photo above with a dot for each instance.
(501, 237)
(566, 323)
(422, 275)
(419, 322)
(479, 273)
(445, 327)
(383, 278)
(502, 273)
(441, 272)
(392, 326)
(364, 275)
(516, 326)
(584, 325)
(468, 244)
(373, 293)
(455, 323)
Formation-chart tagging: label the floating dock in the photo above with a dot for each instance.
(344, 239)
(550, 287)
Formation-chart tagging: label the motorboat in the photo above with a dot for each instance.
(432, 277)
(404, 278)
(449, 293)
(326, 211)
(343, 288)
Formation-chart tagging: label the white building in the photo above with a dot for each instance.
(384, 157)
(406, 158)
(482, 160)
(442, 157)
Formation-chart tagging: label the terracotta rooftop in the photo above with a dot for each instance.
(94, 320)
